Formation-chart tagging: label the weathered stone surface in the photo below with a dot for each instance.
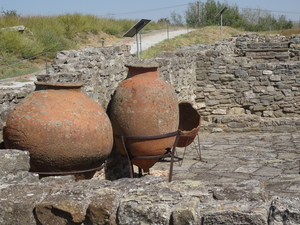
(102, 209)
(227, 77)
(232, 191)
(12, 160)
(62, 208)
(208, 76)
(192, 70)
(232, 214)
(14, 166)
(212, 102)
(284, 211)
(236, 111)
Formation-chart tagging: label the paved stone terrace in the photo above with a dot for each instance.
(267, 161)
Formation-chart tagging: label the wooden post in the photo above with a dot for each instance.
(198, 13)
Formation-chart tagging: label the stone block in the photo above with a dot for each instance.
(254, 100)
(182, 217)
(241, 73)
(227, 77)
(209, 89)
(212, 102)
(213, 77)
(200, 76)
(279, 113)
(257, 108)
(200, 105)
(236, 125)
(235, 213)
(268, 113)
(261, 66)
(275, 78)
(281, 85)
(201, 83)
(267, 72)
(250, 79)
(63, 207)
(249, 94)
(255, 73)
(219, 111)
(236, 111)
(15, 213)
(284, 211)
(103, 208)
(266, 98)
(13, 161)
(225, 101)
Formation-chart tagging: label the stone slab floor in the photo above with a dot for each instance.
(246, 160)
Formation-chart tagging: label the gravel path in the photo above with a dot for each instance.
(153, 38)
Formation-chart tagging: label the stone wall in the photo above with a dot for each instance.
(102, 69)
(10, 96)
(233, 91)
(224, 80)
(263, 88)
(24, 199)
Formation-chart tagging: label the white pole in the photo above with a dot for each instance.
(221, 32)
(141, 49)
(168, 31)
(137, 44)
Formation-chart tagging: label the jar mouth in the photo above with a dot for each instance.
(59, 84)
(142, 66)
(144, 63)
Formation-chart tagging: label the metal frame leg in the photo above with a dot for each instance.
(168, 154)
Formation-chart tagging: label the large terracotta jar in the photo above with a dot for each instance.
(144, 105)
(189, 124)
(61, 127)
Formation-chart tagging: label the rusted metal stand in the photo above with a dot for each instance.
(196, 146)
(170, 152)
(62, 173)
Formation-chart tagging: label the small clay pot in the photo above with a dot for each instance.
(189, 124)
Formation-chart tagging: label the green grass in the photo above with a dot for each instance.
(191, 38)
(52, 34)
(206, 35)
(23, 68)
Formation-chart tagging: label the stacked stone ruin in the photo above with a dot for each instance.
(246, 83)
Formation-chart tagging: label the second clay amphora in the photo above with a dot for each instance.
(144, 105)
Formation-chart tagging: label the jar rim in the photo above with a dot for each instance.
(59, 84)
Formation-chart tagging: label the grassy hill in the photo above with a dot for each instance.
(205, 35)
(52, 34)
(26, 50)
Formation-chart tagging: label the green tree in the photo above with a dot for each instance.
(9, 12)
(191, 14)
(163, 21)
(247, 19)
(283, 23)
(209, 10)
(232, 17)
(176, 19)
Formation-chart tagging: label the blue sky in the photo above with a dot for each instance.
(138, 9)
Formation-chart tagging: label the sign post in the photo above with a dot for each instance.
(135, 31)
(221, 15)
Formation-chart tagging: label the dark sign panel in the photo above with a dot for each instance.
(136, 28)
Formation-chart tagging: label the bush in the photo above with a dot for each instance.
(15, 43)
(52, 34)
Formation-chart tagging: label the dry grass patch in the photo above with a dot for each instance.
(205, 35)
